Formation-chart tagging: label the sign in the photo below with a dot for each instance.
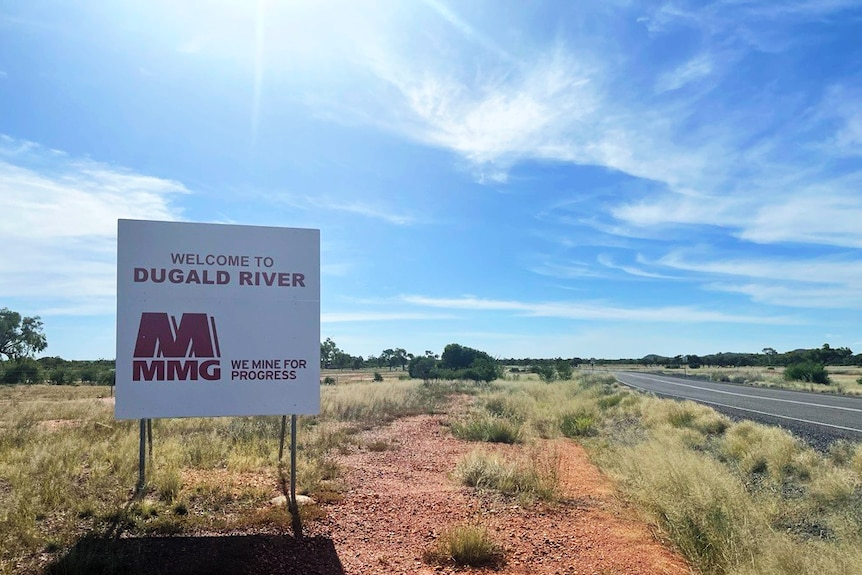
(217, 320)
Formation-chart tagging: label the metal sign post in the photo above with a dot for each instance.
(142, 458)
(292, 504)
(293, 464)
(146, 437)
(281, 438)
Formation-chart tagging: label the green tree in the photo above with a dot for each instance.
(457, 356)
(328, 351)
(423, 367)
(808, 371)
(23, 370)
(342, 360)
(564, 369)
(546, 372)
(401, 357)
(387, 357)
(20, 337)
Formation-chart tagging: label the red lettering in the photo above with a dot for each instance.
(194, 336)
(182, 370)
(210, 370)
(147, 370)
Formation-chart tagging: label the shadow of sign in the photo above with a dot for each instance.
(234, 555)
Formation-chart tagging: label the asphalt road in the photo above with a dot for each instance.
(819, 418)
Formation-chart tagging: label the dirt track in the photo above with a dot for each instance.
(400, 499)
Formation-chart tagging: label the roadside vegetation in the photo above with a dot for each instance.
(737, 498)
(68, 468)
(465, 545)
(734, 498)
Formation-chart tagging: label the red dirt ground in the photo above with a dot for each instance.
(399, 500)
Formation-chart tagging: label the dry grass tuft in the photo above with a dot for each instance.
(466, 546)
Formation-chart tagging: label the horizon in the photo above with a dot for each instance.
(530, 180)
(548, 358)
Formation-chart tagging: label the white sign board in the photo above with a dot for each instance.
(216, 320)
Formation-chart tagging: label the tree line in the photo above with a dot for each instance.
(22, 337)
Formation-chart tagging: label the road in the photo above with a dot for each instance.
(819, 418)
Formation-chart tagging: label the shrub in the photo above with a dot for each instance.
(328, 380)
(487, 428)
(466, 545)
(807, 371)
(578, 424)
(377, 376)
(609, 401)
(547, 373)
(527, 479)
(759, 449)
(168, 483)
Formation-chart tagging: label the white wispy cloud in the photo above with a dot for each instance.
(594, 310)
(363, 316)
(571, 102)
(822, 214)
(697, 68)
(567, 270)
(801, 282)
(61, 215)
(842, 106)
(365, 209)
(820, 270)
(520, 112)
(798, 296)
(608, 262)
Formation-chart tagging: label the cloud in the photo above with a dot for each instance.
(819, 297)
(577, 100)
(841, 109)
(60, 214)
(494, 120)
(815, 208)
(821, 215)
(595, 311)
(567, 270)
(608, 262)
(373, 211)
(801, 282)
(693, 70)
(363, 316)
(365, 210)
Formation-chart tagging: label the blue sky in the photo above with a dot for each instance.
(533, 179)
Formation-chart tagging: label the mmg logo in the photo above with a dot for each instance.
(190, 348)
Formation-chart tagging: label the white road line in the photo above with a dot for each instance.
(755, 411)
(746, 395)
